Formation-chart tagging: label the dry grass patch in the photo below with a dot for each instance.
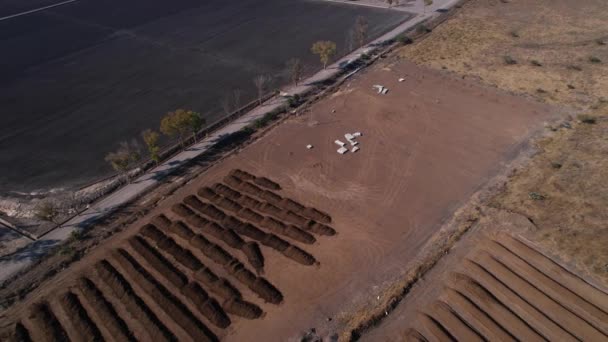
(566, 36)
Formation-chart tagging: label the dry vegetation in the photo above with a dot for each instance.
(556, 52)
(551, 44)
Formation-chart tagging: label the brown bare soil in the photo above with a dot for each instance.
(427, 146)
(554, 52)
(508, 290)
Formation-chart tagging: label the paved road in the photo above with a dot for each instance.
(12, 264)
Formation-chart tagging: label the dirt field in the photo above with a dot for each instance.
(498, 287)
(570, 171)
(553, 200)
(427, 145)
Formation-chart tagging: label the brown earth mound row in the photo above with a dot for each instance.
(276, 200)
(554, 310)
(257, 234)
(217, 285)
(250, 215)
(139, 310)
(172, 306)
(80, 327)
(231, 238)
(500, 312)
(476, 317)
(45, 326)
(221, 190)
(110, 319)
(206, 305)
(444, 314)
(214, 252)
(19, 334)
(435, 329)
(261, 181)
(242, 308)
(551, 269)
(183, 256)
(550, 288)
(206, 209)
(250, 249)
(158, 262)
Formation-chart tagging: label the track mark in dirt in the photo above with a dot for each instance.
(507, 290)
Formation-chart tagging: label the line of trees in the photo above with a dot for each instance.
(179, 124)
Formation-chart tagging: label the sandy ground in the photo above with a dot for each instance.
(426, 147)
(569, 170)
(498, 286)
(552, 200)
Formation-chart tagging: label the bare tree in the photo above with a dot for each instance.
(390, 3)
(46, 210)
(227, 103)
(427, 3)
(261, 82)
(294, 66)
(360, 30)
(125, 157)
(236, 97)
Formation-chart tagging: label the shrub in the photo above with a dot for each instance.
(294, 101)
(600, 42)
(405, 40)
(556, 165)
(423, 29)
(536, 63)
(574, 67)
(537, 196)
(509, 60)
(588, 119)
(595, 60)
(514, 34)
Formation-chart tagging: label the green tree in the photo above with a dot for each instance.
(151, 137)
(325, 49)
(294, 67)
(125, 157)
(181, 122)
(196, 123)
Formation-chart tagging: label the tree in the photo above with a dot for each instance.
(427, 3)
(325, 49)
(294, 66)
(46, 211)
(151, 139)
(125, 157)
(261, 81)
(390, 3)
(181, 122)
(360, 30)
(196, 123)
(236, 97)
(227, 103)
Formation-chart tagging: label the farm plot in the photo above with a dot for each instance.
(180, 277)
(508, 291)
